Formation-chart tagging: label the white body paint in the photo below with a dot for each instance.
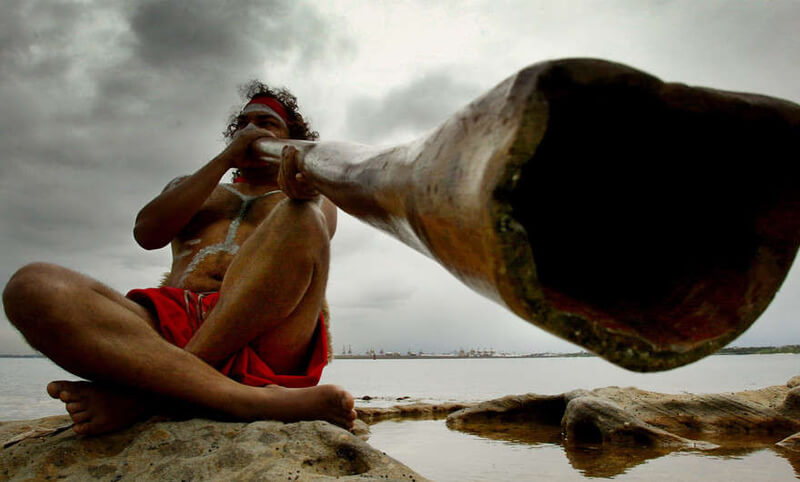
(182, 254)
(229, 245)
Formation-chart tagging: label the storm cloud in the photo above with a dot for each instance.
(416, 107)
(105, 102)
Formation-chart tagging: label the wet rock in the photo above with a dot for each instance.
(595, 420)
(527, 418)
(633, 417)
(608, 431)
(526, 409)
(742, 413)
(791, 403)
(195, 449)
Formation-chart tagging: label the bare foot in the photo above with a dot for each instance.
(324, 402)
(95, 408)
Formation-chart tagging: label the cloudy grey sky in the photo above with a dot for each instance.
(104, 102)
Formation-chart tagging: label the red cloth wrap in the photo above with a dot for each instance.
(181, 312)
(273, 104)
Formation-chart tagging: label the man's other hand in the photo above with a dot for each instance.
(291, 180)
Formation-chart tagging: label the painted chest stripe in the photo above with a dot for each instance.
(229, 245)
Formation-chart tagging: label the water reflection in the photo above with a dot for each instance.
(591, 460)
(510, 452)
(792, 456)
(598, 461)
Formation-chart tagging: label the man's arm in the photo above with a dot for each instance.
(164, 217)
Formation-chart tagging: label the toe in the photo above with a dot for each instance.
(80, 417)
(73, 407)
(345, 424)
(54, 389)
(67, 397)
(81, 428)
(342, 420)
(347, 401)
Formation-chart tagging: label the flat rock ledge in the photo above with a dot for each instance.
(197, 449)
(411, 411)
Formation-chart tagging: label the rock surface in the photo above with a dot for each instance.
(194, 449)
(604, 432)
(594, 419)
(605, 415)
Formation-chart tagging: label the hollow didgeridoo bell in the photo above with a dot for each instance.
(649, 222)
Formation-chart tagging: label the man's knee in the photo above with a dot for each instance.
(307, 221)
(32, 292)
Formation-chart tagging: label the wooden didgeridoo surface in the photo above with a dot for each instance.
(649, 222)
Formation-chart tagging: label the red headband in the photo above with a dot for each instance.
(273, 104)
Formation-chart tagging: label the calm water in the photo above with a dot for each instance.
(442, 454)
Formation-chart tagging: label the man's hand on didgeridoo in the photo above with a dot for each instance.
(238, 154)
(290, 180)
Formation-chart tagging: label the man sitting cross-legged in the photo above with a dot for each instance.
(236, 329)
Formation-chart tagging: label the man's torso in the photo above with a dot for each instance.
(203, 250)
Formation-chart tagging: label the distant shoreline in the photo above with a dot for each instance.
(747, 350)
(737, 350)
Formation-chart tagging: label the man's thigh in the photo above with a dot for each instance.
(146, 313)
(284, 344)
(81, 281)
(45, 300)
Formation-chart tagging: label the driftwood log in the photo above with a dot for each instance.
(648, 222)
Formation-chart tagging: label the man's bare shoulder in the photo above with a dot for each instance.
(174, 182)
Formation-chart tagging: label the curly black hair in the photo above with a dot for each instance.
(298, 127)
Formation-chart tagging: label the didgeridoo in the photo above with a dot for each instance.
(649, 222)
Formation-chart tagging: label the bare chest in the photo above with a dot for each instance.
(227, 212)
(205, 248)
